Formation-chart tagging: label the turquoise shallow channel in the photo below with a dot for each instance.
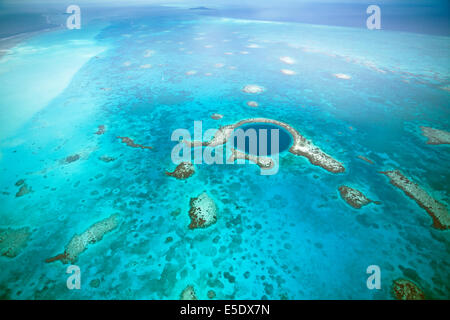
(70, 98)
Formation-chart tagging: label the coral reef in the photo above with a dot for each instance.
(211, 294)
(300, 147)
(216, 116)
(129, 142)
(365, 159)
(354, 197)
(176, 212)
(106, 158)
(12, 241)
(203, 211)
(101, 130)
(436, 136)
(437, 210)
(149, 53)
(403, 289)
(188, 293)
(95, 283)
(183, 171)
(71, 158)
(79, 243)
(24, 189)
(262, 162)
(253, 88)
(252, 104)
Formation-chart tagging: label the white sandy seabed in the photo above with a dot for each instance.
(39, 69)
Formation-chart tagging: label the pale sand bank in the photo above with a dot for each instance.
(35, 73)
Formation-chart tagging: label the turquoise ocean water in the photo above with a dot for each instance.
(288, 235)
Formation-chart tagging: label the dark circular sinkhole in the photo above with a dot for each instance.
(284, 138)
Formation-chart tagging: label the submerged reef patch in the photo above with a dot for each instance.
(12, 241)
(129, 142)
(183, 171)
(437, 210)
(436, 136)
(211, 294)
(301, 146)
(94, 283)
(342, 76)
(365, 159)
(403, 289)
(188, 293)
(101, 129)
(71, 159)
(203, 211)
(253, 89)
(288, 72)
(253, 104)
(354, 197)
(24, 188)
(79, 243)
(287, 60)
(106, 158)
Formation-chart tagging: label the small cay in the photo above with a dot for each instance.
(203, 211)
(79, 243)
(183, 171)
(436, 136)
(12, 241)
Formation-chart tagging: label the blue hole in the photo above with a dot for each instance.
(284, 139)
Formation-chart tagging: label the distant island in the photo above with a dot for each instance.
(200, 8)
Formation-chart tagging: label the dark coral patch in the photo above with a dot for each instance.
(24, 189)
(354, 197)
(72, 158)
(183, 171)
(403, 289)
(106, 158)
(129, 142)
(101, 130)
(211, 294)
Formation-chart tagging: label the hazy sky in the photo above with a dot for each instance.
(423, 16)
(255, 3)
